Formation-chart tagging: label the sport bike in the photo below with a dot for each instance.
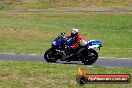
(60, 50)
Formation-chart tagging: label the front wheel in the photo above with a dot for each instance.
(49, 56)
(90, 56)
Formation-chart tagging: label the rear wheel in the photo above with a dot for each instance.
(90, 56)
(49, 56)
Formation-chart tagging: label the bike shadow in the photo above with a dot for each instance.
(71, 63)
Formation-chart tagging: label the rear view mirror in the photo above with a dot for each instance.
(63, 33)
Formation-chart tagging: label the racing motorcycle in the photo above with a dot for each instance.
(85, 52)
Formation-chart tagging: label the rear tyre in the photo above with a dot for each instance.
(49, 56)
(90, 56)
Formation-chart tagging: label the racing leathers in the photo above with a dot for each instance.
(76, 40)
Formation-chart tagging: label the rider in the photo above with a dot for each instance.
(76, 38)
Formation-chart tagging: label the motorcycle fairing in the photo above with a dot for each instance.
(94, 44)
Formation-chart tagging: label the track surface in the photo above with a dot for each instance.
(106, 62)
(66, 11)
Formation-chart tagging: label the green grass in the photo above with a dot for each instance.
(66, 5)
(34, 32)
(14, 74)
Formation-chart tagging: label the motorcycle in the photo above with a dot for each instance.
(85, 52)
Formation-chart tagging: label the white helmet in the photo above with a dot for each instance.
(75, 31)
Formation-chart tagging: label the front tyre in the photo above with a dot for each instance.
(90, 57)
(49, 56)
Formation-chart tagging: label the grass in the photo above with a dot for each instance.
(28, 32)
(66, 5)
(16, 74)
(34, 32)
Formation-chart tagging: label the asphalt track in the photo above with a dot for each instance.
(69, 11)
(105, 62)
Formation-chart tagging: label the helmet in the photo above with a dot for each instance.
(74, 32)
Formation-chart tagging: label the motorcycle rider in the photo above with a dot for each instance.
(77, 40)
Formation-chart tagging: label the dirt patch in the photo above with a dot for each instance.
(86, 4)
